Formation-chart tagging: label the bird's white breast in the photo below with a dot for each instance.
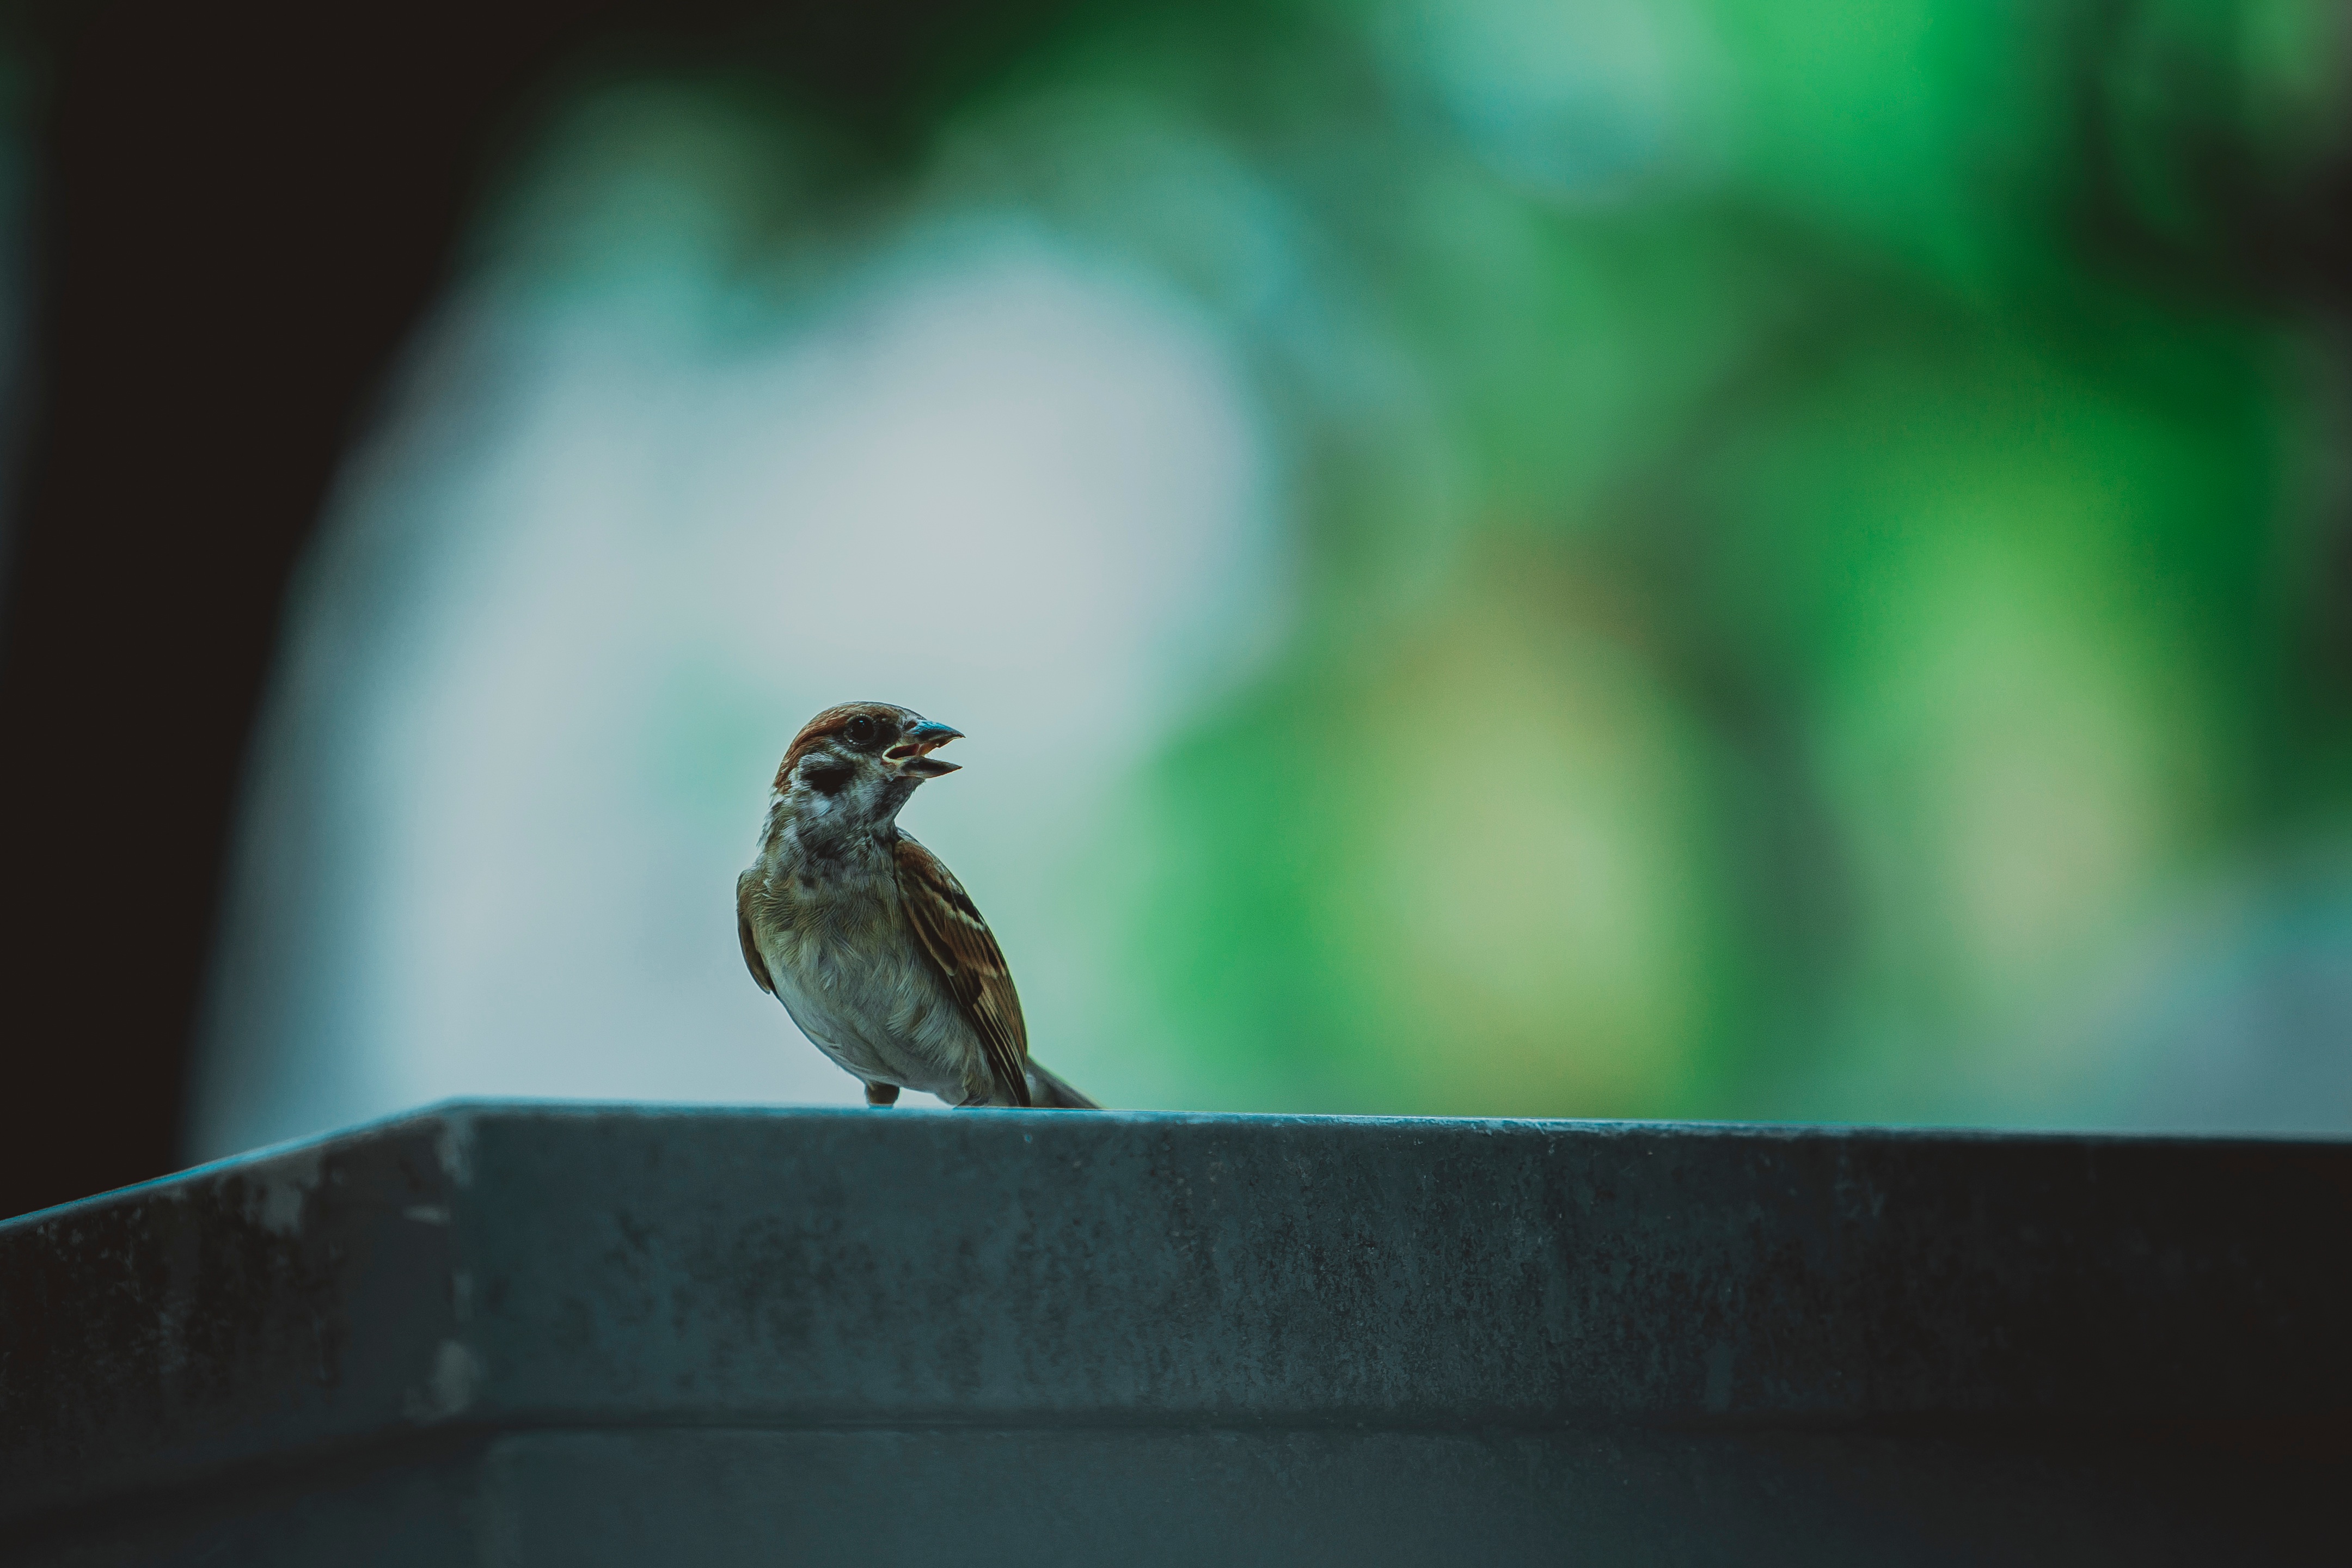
(851, 972)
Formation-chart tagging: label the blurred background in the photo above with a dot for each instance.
(1596, 558)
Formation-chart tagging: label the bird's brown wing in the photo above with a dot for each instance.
(961, 945)
(752, 959)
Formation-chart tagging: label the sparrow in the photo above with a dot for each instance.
(871, 944)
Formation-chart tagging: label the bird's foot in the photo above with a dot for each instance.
(879, 1095)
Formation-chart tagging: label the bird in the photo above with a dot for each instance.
(866, 938)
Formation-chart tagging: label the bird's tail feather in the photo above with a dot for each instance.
(1049, 1092)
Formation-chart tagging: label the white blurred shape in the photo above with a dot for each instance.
(596, 572)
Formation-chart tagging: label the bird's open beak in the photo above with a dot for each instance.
(913, 752)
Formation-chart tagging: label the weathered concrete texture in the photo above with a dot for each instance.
(576, 1335)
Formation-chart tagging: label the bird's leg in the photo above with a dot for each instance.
(879, 1095)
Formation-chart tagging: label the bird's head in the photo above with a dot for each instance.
(856, 765)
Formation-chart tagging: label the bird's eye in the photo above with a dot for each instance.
(860, 730)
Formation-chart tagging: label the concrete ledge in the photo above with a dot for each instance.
(746, 1328)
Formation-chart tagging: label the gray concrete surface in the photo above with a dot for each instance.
(547, 1335)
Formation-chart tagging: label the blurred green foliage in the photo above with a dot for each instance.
(1817, 525)
(1819, 529)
